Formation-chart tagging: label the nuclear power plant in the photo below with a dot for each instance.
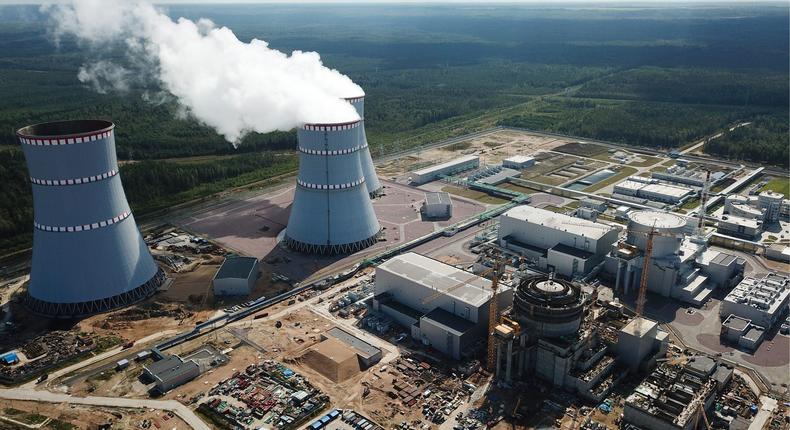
(88, 255)
(372, 183)
(332, 212)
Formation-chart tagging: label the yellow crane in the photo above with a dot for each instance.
(493, 316)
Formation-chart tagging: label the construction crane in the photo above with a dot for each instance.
(642, 296)
(493, 315)
(703, 205)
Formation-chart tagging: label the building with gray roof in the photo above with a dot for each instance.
(236, 276)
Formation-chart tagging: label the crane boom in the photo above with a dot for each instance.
(493, 313)
(642, 297)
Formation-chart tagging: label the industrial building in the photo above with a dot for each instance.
(639, 341)
(367, 353)
(549, 335)
(745, 228)
(768, 206)
(170, 372)
(652, 190)
(681, 174)
(88, 255)
(236, 276)
(680, 267)
(560, 243)
(771, 204)
(437, 205)
(762, 301)
(518, 162)
(331, 212)
(741, 206)
(670, 398)
(449, 168)
(372, 183)
(442, 306)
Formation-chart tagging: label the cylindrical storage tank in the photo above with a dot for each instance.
(88, 255)
(331, 211)
(547, 307)
(372, 182)
(669, 227)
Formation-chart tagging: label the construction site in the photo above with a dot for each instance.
(499, 281)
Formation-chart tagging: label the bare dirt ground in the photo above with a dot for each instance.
(64, 416)
(492, 149)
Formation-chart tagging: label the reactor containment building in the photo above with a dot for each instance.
(88, 256)
(331, 212)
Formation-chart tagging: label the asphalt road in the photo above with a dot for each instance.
(177, 408)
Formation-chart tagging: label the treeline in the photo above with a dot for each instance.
(698, 86)
(657, 125)
(154, 185)
(149, 185)
(766, 140)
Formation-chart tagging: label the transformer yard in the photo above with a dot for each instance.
(492, 281)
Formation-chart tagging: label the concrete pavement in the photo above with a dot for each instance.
(177, 408)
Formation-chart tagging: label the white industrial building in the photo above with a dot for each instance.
(768, 206)
(438, 205)
(690, 176)
(639, 341)
(449, 168)
(652, 190)
(771, 203)
(760, 300)
(680, 267)
(518, 162)
(236, 276)
(443, 306)
(746, 228)
(560, 243)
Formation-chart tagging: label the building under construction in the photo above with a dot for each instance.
(673, 398)
(552, 334)
(680, 266)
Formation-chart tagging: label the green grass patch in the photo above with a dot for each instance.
(572, 205)
(691, 203)
(669, 163)
(460, 146)
(778, 185)
(24, 417)
(518, 188)
(624, 172)
(553, 208)
(474, 195)
(661, 169)
(60, 425)
(646, 161)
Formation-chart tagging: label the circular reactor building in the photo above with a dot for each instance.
(668, 226)
(548, 307)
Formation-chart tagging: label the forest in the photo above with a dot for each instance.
(658, 77)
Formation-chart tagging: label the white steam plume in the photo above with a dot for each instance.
(232, 86)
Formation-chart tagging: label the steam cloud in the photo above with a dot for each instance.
(232, 86)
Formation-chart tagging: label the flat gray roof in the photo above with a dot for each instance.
(236, 267)
(437, 198)
(358, 344)
(450, 322)
(441, 277)
(171, 368)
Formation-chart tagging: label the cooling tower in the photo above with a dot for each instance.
(331, 212)
(371, 180)
(88, 255)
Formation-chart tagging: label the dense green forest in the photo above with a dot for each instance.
(658, 76)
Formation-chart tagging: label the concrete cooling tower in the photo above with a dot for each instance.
(371, 180)
(88, 255)
(331, 212)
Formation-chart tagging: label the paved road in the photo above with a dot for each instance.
(177, 408)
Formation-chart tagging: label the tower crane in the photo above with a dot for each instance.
(493, 316)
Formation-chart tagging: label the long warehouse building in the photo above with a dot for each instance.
(443, 306)
(560, 243)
